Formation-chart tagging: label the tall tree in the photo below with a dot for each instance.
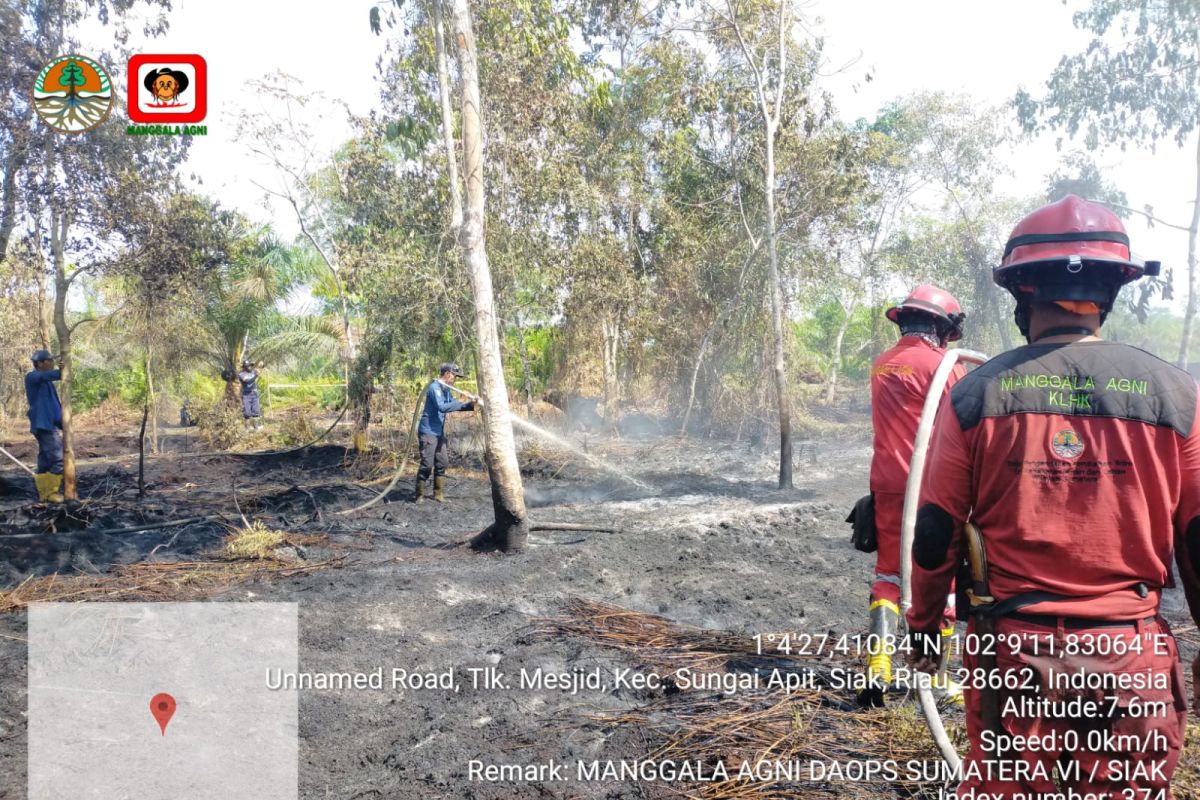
(509, 531)
(1138, 81)
(766, 55)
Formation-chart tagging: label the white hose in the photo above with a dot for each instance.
(908, 526)
(16, 461)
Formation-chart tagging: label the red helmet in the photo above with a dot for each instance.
(937, 303)
(1069, 250)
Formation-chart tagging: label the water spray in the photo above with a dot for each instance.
(596, 462)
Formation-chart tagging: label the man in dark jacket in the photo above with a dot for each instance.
(251, 407)
(45, 423)
(439, 401)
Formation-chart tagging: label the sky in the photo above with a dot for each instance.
(986, 50)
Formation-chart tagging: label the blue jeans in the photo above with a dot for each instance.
(50, 451)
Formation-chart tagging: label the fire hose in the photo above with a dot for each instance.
(908, 526)
(16, 460)
(412, 437)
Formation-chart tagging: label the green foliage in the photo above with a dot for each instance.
(816, 332)
(1138, 79)
(93, 385)
(1079, 175)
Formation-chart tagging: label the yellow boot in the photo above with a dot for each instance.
(54, 485)
(947, 687)
(439, 489)
(49, 486)
(881, 645)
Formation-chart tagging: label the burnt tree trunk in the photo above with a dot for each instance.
(151, 400)
(781, 388)
(510, 529)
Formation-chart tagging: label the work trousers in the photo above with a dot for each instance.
(250, 405)
(435, 456)
(889, 511)
(1126, 746)
(50, 450)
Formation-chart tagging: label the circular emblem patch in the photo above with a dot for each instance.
(1067, 444)
(72, 94)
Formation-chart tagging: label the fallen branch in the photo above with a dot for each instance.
(570, 526)
(236, 504)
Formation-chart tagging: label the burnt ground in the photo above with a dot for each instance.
(711, 544)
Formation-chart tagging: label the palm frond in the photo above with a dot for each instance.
(308, 336)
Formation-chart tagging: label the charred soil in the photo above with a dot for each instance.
(714, 545)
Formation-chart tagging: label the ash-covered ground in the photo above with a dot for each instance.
(712, 544)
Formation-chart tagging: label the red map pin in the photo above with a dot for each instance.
(162, 706)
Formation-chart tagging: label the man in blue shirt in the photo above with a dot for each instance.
(439, 401)
(45, 423)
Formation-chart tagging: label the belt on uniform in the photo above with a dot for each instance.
(1053, 621)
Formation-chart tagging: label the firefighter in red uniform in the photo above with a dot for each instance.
(928, 318)
(1078, 461)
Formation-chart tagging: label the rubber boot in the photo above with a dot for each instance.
(881, 644)
(439, 488)
(419, 496)
(54, 488)
(947, 687)
(39, 480)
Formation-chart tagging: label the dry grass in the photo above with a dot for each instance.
(759, 725)
(296, 427)
(183, 581)
(110, 411)
(1186, 783)
(218, 425)
(255, 542)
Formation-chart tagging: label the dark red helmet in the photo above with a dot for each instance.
(1069, 250)
(937, 303)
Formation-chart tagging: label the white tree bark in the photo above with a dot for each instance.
(1189, 314)
(509, 531)
(443, 73)
(771, 106)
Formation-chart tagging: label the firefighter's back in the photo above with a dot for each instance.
(899, 380)
(1079, 451)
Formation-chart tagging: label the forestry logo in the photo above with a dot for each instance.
(1067, 444)
(168, 94)
(72, 94)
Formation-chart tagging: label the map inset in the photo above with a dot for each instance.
(95, 668)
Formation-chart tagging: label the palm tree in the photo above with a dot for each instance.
(241, 300)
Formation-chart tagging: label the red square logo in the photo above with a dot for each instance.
(167, 89)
